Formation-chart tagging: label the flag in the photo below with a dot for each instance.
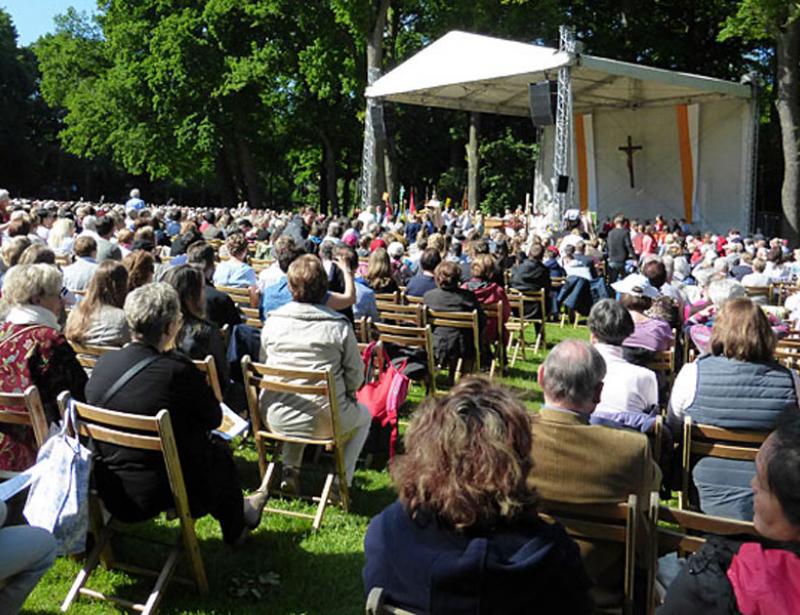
(412, 209)
(388, 213)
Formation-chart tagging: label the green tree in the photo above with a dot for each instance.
(506, 172)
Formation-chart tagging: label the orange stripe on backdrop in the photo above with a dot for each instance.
(580, 150)
(687, 166)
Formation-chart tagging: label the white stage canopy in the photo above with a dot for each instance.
(697, 133)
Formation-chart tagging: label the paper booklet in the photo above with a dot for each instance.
(232, 424)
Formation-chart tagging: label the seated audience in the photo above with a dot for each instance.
(451, 344)
(78, 274)
(26, 553)
(33, 351)
(630, 392)
(133, 484)
(141, 268)
(365, 304)
(730, 576)
(219, 307)
(580, 463)
(306, 334)
(423, 281)
(61, 236)
(379, 273)
(197, 337)
(531, 275)
(99, 319)
(235, 271)
(488, 293)
(738, 386)
(463, 535)
(649, 334)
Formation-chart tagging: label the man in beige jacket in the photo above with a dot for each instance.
(579, 463)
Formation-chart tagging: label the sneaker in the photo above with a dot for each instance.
(290, 480)
(253, 507)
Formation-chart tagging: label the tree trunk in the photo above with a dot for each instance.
(247, 163)
(788, 106)
(329, 166)
(225, 183)
(473, 161)
(374, 172)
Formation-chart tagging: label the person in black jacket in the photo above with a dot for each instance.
(133, 484)
(220, 308)
(532, 275)
(464, 536)
(620, 249)
(728, 576)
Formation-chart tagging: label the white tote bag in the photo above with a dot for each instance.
(58, 500)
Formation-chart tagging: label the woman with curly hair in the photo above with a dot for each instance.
(464, 535)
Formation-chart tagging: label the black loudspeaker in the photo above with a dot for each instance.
(563, 184)
(543, 102)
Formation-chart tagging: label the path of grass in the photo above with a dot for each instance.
(292, 570)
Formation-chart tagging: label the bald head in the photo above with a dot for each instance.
(572, 376)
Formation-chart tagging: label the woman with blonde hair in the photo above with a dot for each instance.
(464, 535)
(61, 236)
(99, 319)
(379, 272)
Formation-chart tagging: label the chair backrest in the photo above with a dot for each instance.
(209, 367)
(25, 409)
(260, 377)
(240, 296)
(412, 299)
(528, 297)
(663, 361)
(758, 291)
(136, 431)
(390, 297)
(401, 314)
(410, 337)
(459, 320)
(251, 317)
(684, 541)
(603, 523)
(361, 327)
(494, 311)
(709, 441)
(88, 354)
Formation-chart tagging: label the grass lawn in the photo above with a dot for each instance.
(284, 568)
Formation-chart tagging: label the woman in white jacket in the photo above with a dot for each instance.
(306, 334)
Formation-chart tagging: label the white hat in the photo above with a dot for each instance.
(396, 249)
(637, 285)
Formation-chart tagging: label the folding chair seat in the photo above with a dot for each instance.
(415, 338)
(604, 523)
(708, 441)
(260, 378)
(144, 433)
(518, 323)
(24, 409)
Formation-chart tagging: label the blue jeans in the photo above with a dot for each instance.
(724, 487)
(26, 553)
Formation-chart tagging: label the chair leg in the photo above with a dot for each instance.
(161, 583)
(88, 568)
(266, 477)
(194, 556)
(323, 501)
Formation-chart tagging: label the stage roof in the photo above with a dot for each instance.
(472, 72)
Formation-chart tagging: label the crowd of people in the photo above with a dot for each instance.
(154, 282)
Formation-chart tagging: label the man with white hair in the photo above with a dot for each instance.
(135, 202)
(5, 202)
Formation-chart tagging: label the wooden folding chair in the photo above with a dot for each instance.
(689, 535)
(412, 299)
(603, 523)
(413, 315)
(87, 354)
(259, 377)
(389, 297)
(209, 367)
(495, 311)
(361, 327)
(518, 323)
(144, 433)
(411, 337)
(377, 604)
(251, 317)
(755, 292)
(708, 441)
(24, 409)
(459, 320)
(240, 296)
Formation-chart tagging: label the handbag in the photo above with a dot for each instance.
(384, 395)
(58, 500)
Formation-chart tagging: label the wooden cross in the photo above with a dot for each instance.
(629, 150)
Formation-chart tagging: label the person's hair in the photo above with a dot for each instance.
(24, 283)
(108, 286)
(141, 266)
(105, 226)
(741, 331)
(37, 253)
(610, 322)
(759, 265)
(379, 269)
(349, 255)
(188, 280)
(430, 259)
(84, 245)
(125, 236)
(61, 229)
(202, 254)
(720, 291)
(19, 227)
(536, 252)
(150, 311)
(447, 275)
(775, 255)
(635, 303)
(307, 279)
(783, 465)
(482, 267)
(13, 249)
(236, 244)
(655, 272)
(746, 258)
(572, 371)
(468, 458)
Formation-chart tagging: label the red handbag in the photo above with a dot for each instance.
(385, 394)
